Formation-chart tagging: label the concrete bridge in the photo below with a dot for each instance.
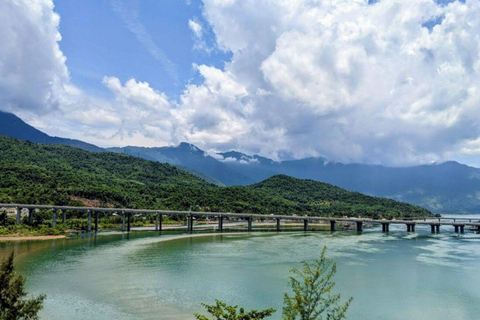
(435, 223)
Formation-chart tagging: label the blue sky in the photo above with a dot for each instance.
(97, 42)
(379, 82)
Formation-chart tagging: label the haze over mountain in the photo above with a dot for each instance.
(445, 188)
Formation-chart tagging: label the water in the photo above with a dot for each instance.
(147, 276)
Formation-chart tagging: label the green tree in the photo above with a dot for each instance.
(312, 297)
(13, 306)
(221, 311)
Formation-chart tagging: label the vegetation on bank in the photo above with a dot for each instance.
(312, 297)
(13, 302)
(60, 175)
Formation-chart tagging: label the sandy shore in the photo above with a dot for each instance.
(28, 238)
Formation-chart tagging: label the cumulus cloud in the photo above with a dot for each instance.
(32, 67)
(391, 82)
(385, 82)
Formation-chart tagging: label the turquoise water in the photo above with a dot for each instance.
(151, 276)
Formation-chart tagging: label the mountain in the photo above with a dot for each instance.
(448, 187)
(191, 158)
(14, 127)
(62, 175)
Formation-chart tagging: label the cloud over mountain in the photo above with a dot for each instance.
(391, 82)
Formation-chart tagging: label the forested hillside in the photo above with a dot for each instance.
(52, 174)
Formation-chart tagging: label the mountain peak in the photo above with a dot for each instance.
(189, 147)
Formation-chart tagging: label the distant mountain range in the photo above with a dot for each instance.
(449, 187)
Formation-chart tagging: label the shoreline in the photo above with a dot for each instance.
(30, 238)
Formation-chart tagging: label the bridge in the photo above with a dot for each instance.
(459, 224)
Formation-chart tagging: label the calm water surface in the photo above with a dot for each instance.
(150, 276)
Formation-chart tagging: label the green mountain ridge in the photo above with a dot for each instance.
(54, 174)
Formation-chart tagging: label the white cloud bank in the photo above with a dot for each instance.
(393, 82)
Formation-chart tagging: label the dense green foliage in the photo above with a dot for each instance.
(13, 305)
(51, 174)
(312, 297)
(221, 311)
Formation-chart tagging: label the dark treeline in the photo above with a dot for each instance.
(51, 174)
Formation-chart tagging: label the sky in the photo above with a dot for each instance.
(356, 81)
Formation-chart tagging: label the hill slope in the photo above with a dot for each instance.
(14, 127)
(52, 174)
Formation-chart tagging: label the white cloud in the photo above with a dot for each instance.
(394, 82)
(32, 67)
(196, 28)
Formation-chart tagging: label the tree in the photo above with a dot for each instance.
(221, 311)
(312, 297)
(13, 306)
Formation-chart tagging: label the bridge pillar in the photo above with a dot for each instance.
(157, 221)
(359, 226)
(123, 220)
(462, 228)
(89, 221)
(385, 227)
(456, 228)
(30, 216)
(96, 221)
(190, 223)
(437, 228)
(129, 220)
(64, 216)
(54, 218)
(305, 225)
(278, 224)
(19, 215)
(220, 223)
(333, 225)
(249, 223)
(410, 227)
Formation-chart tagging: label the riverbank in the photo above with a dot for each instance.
(30, 238)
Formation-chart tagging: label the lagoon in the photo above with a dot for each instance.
(147, 275)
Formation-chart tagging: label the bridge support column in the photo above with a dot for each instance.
(220, 223)
(410, 227)
(456, 228)
(129, 220)
(123, 220)
(19, 215)
(96, 221)
(462, 228)
(278, 224)
(249, 223)
(333, 225)
(54, 218)
(30, 216)
(385, 227)
(157, 221)
(432, 226)
(437, 228)
(190, 223)
(64, 216)
(305, 225)
(89, 221)
(359, 226)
